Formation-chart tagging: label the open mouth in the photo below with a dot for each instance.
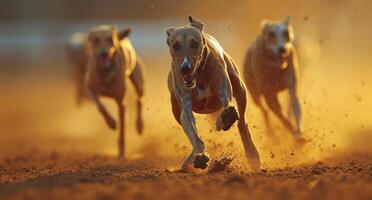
(104, 63)
(284, 56)
(283, 60)
(188, 79)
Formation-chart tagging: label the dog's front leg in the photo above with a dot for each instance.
(188, 123)
(292, 87)
(102, 109)
(92, 94)
(121, 141)
(229, 115)
(295, 105)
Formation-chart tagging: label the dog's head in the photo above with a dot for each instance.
(104, 43)
(278, 37)
(186, 46)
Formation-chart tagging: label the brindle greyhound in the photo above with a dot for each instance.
(270, 67)
(203, 79)
(111, 58)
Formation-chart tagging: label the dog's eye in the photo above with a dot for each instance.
(176, 46)
(194, 44)
(109, 40)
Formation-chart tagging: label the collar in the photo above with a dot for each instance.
(204, 60)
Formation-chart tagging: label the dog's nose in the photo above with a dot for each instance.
(282, 50)
(185, 66)
(103, 53)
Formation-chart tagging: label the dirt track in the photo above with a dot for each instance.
(36, 175)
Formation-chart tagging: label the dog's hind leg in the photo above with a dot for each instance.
(273, 103)
(240, 95)
(258, 102)
(137, 80)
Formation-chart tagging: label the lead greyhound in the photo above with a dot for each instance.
(204, 79)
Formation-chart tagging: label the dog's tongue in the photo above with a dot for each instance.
(187, 77)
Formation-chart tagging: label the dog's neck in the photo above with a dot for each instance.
(200, 78)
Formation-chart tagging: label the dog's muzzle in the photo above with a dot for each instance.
(187, 73)
(104, 59)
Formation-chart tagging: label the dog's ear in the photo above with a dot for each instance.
(287, 20)
(196, 23)
(124, 33)
(169, 32)
(264, 23)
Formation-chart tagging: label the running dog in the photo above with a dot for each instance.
(204, 79)
(111, 59)
(271, 66)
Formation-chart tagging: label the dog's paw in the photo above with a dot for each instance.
(301, 141)
(111, 123)
(139, 125)
(201, 161)
(253, 158)
(186, 168)
(227, 118)
(121, 155)
(255, 163)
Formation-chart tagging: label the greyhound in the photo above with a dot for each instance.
(204, 79)
(271, 66)
(111, 59)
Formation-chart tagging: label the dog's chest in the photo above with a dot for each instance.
(201, 97)
(201, 93)
(107, 78)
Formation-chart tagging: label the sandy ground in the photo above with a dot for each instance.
(36, 175)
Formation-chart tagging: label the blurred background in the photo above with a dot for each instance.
(37, 103)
